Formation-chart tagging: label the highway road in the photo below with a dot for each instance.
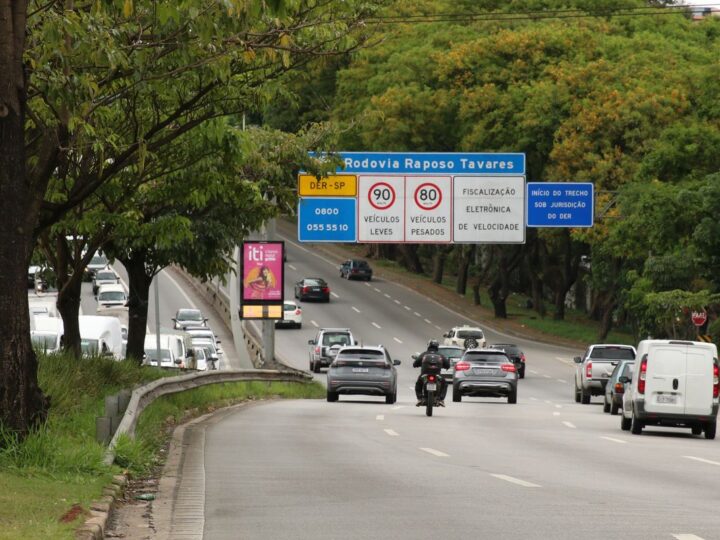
(357, 469)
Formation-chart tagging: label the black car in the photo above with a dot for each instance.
(312, 289)
(515, 354)
(614, 389)
(356, 269)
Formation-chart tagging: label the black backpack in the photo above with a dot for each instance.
(432, 363)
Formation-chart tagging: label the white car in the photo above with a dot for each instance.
(675, 384)
(201, 332)
(292, 315)
(106, 276)
(468, 337)
(111, 296)
(189, 317)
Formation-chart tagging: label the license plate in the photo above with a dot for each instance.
(483, 371)
(666, 398)
(361, 370)
(431, 387)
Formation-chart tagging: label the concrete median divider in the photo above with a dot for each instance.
(143, 396)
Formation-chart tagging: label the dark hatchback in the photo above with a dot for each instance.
(356, 269)
(312, 289)
(614, 389)
(515, 354)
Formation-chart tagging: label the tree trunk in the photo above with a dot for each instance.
(68, 304)
(410, 256)
(463, 270)
(560, 294)
(137, 304)
(498, 299)
(569, 265)
(607, 320)
(439, 264)
(22, 404)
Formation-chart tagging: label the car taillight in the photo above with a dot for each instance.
(306, 289)
(298, 311)
(326, 289)
(462, 366)
(716, 381)
(317, 350)
(643, 375)
(510, 368)
(618, 387)
(588, 370)
(431, 378)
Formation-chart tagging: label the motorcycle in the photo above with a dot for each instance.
(430, 391)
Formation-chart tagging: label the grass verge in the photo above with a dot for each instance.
(49, 478)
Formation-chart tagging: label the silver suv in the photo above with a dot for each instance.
(327, 343)
(468, 337)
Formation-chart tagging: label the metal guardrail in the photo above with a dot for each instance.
(143, 396)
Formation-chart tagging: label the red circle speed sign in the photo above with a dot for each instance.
(428, 196)
(381, 195)
(699, 317)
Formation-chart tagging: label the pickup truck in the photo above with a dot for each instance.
(594, 368)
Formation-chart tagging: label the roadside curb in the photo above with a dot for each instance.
(95, 526)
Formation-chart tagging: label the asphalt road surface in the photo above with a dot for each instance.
(544, 468)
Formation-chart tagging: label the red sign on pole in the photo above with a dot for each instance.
(699, 317)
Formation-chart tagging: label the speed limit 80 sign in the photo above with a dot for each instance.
(428, 209)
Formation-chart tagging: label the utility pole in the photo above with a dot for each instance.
(268, 326)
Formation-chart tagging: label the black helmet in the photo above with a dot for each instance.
(433, 345)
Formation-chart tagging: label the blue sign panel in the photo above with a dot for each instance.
(433, 163)
(560, 204)
(327, 219)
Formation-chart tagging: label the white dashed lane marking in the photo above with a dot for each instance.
(399, 341)
(376, 289)
(391, 432)
(356, 309)
(397, 407)
(558, 406)
(407, 307)
(334, 295)
(613, 439)
(533, 372)
(569, 424)
(291, 267)
(514, 480)
(434, 452)
(398, 302)
(380, 417)
(548, 376)
(316, 325)
(686, 537)
(387, 295)
(703, 460)
(428, 321)
(562, 381)
(376, 325)
(555, 413)
(417, 314)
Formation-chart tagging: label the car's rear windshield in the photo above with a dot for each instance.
(612, 353)
(289, 307)
(312, 282)
(105, 275)
(190, 315)
(361, 264)
(512, 349)
(111, 296)
(484, 357)
(361, 358)
(464, 334)
(336, 339)
(450, 352)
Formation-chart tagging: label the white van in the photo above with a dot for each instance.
(46, 333)
(675, 384)
(174, 351)
(111, 296)
(101, 335)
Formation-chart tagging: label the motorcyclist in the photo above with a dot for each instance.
(432, 349)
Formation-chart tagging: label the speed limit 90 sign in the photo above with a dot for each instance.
(381, 195)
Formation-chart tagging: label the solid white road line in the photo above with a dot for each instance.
(391, 432)
(387, 295)
(398, 302)
(686, 537)
(179, 288)
(513, 480)
(291, 267)
(533, 399)
(434, 452)
(334, 295)
(396, 339)
(355, 309)
(376, 325)
(380, 417)
(613, 439)
(428, 321)
(702, 460)
(316, 325)
(569, 424)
